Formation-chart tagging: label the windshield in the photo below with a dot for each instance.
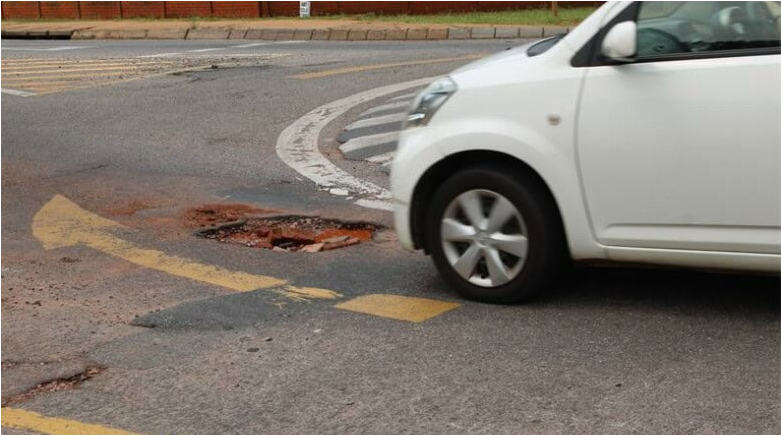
(543, 46)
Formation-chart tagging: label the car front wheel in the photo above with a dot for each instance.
(494, 236)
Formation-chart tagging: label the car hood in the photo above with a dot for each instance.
(511, 54)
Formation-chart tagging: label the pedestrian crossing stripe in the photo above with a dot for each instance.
(44, 75)
(47, 75)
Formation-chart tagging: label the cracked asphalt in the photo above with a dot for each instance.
(607, 351)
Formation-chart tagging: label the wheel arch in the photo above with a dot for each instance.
(438, 173)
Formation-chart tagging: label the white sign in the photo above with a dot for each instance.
(303, 9)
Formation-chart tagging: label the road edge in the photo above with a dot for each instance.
(300, 34)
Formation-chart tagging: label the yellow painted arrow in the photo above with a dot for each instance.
(20, 419)
(62, 223)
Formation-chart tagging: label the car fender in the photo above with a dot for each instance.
(555, 165)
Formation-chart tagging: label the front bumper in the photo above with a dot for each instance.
(401, 220)
(416, 154)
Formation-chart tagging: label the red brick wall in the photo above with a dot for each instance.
(159, 9)
(188, 9)
(364, 7)
(236, 9)
(283, 9)
(59, 9)
(100, 10)
(20, 9)
(432, 7)
(143, 10)
(325, 8)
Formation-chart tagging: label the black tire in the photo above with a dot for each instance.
(546, 244)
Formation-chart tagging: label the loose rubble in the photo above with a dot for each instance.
(292, 233)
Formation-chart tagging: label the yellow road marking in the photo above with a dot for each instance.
(40, 89)
(398, 307)
(52, 79)
(20, 419)
(361, 68)
(74, 66)
(41, 60)
(78, 72)
(51, 85)
(62, 223)
(71, 77)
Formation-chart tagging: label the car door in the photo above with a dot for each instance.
(680, 149)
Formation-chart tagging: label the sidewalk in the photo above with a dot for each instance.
(267, 29)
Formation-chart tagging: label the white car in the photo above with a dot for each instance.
(651, 133)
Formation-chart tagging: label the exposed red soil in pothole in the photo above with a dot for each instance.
(292, 233)
(209, 215)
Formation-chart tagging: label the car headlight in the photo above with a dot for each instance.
(428, 101)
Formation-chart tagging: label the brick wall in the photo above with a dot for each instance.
(236, 9)
(188, 9)
(159, 9)
(99, 10)
(59, 9)
(143, 9)
(21, 9)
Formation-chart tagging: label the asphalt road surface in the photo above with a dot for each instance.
(115, 316)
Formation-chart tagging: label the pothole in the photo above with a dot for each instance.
(52, 386)
(292, 233)
(210, 215)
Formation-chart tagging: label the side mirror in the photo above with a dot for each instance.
(620, 42)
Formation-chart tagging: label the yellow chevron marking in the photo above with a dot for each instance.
(62, 223)
(65, 68)
(16, 418)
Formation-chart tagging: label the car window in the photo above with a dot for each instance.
(666, 28)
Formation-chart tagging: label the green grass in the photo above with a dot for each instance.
(566, 16)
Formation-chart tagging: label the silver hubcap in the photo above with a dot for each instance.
(484, 238)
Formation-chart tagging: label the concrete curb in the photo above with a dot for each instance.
(408, 34)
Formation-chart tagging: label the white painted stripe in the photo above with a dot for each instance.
(297, 146)
(382, 158)
(363, 147)
(254, 44)
(379, 120)
(398, 106)
(17, 92)
(379, 205)
(405, 97)
(159, 55)
(70, 47)
(260, 56)
(203, 50)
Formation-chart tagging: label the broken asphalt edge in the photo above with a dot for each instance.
(319, 34)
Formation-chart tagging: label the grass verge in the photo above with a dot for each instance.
(568, 16)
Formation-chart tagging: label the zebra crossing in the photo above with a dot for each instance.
(27, 77)
(38, 76)
(374, 135)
